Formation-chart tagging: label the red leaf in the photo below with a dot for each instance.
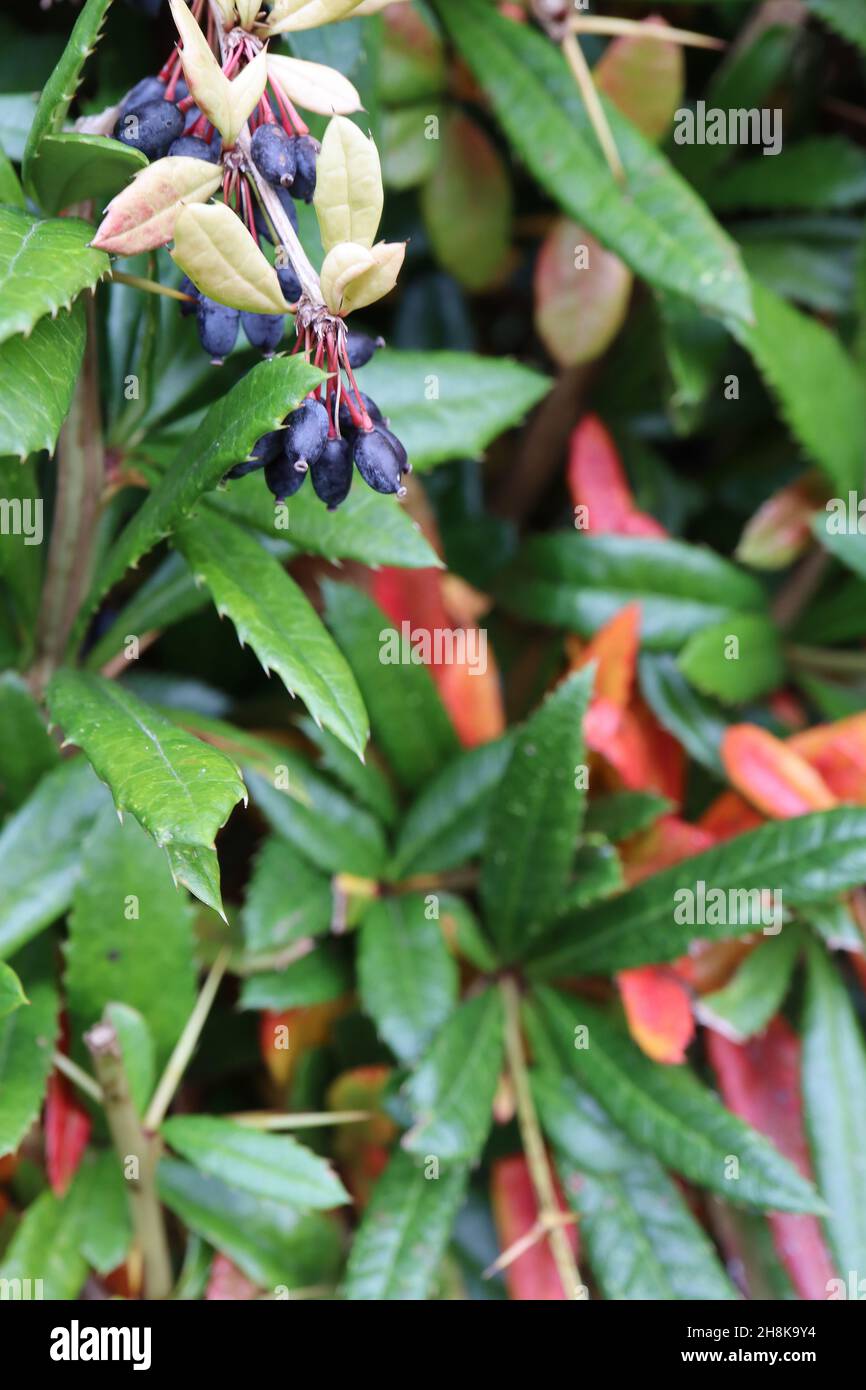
(658, 1010)
(228, 1283)
(67, 1130)
(781, 528)
(668, 842)
(614, 649)
(837, 752)
(533, 1275)
(760, 1082)
(730, 815)
(597, 482)
(774, 777)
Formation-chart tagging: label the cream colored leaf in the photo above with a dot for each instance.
(379, 280)
(227, 10)
(349, 193)
(247, 11)
(292, 15)
(244, 95)
(314, 86)
(205, 78)
(213, 247)
(343, 264)
(143, 214)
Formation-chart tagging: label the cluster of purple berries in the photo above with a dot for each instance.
(310, 442)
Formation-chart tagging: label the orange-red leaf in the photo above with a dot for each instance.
(67, 1130)
(729, 815)
(658, 1010)
(533, 1275)
(597, 482)
(837, 752)
(667, 843)
(285, 1037)
(771, 774)
(614, 649)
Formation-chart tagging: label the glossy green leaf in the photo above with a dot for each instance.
(40, 850)
(11, 191)
(826, 172)
(21, 559)
(99, 1207)
(37, 376)
(665, 1109)
(801, 860)
(446, 405)
(286, 899)
(45, 1251)
(328, 829)
(271, 1166)
(735, 660)
(366, 781)
(402, 1238)
(696, 722)
(274, 1244)
(26, 749)
(130, 935)
(845, 17)
(197, 868)
(409, 155)
(655, 223)
(407, 717)
(317, 978)
(447, 824)
(834, 1090)
(407, 978)
(44, 266)
(617, 815)
(451, 1092)
(73, 166)
(180, 789)
(272, 615)
(12, 994)
(580, 582)
(535, 818)
(63, 83)
(467, 204)
(27, 1040)
(756, 992)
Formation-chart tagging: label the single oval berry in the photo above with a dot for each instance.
(187, 307)
(377, 461)
(193, 147)
(148, 89)
(289, 283)
(288, 207)
(273, 153)
(346, 421)
(361, 347)
(264, 331)
(284, 478)
(306, 432)
(397, 444)
(306, 154)
(263, 452)
(150, 128)
(332, 473)
(217, 328)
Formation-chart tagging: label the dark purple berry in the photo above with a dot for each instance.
(284, 478)
(148, 89)
(217, 328)
(306, 432)
(288, 207)
(192, 147)
(263, 452)
(306, 154)
(332, 473)
(399, 448)
(264, 331)
(346, 422)
(273, 153)
(377, 461)
(289, 283)
(150, 128)
(186, 285)
(361, 347)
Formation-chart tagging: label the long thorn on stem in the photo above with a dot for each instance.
(185, 1045)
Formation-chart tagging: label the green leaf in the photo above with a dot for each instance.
(467, 204)
(655, 223)
(407, 978)
(179, 789)
(259, 402)
(846, 17)
(408, 718)
(408, 157)
(317, 978)
(367, 783)
(402, 1238)
(137, 1050)
(445, 405)
(809, 260)
(286, 899)
(197, 868)
(130, 935)
(21, 555)
(451, 1093)
(37, 377)
(823, 173)
(834, 1090)
(665, 1109)
(73, 166)
(40, 850)
(100, 1209)
(272, 1166)
(580, 582)
(44, 266)
(746, 1004)
(12, 994)
(26, 749)
(834, 533)
(44, 1250)
(447, 825)
(11, 191)
(821, 394)
(271, 613)
(617, 815)
(27, 1038)
(328, 829)
(274, 1244)
(597, 871)
(735, 674)
(636, 1227)
(694, 721)
(535, 819)
(59, 90)
(801, 860)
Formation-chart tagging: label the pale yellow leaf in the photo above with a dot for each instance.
(227, 10)
(292, 15)
(200, 68)
(247, 11)
(379, 280)
(349, 193)
(244, 95)
(143, 214)
(314, 86)
(343, 264)
(213, 247)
